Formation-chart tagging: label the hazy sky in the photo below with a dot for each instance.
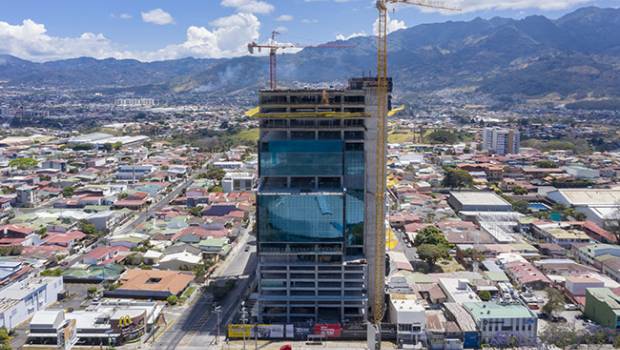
(42, 30)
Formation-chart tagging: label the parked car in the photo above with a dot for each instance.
(571, 307)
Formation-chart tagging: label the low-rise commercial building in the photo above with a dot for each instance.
(22, 299)
(603, 307)
(110, 322)
(458, 290)
(501, 324)
(238, 182)
(409, 318)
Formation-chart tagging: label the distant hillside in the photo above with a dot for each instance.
(578, 54)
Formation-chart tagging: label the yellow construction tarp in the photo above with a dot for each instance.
(396, 110)
(252, 112)
(391, 241)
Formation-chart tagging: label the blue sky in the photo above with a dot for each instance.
(43, 30)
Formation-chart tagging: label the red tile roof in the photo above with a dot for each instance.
(200, 232)
(16, 229)
(64, 238)
(102, 252)
(525, 272)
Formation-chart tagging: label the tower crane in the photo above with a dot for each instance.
(273, 46)
(378, 270)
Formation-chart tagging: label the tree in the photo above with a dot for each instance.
(217, 189)
(560, 335)
(520, 190)
(555, 301)
(430, 235)
(82, 147)
(87, 228)
(431, 253)
(215, 173)
(196, 211)
(457, 178)
(42, 232)
(580, 216)
(91, 291)
(199, 272)
(520, 206)
(23, 163)
(546, 164)
(5, 339)
(172, 300)
(117, 145)
(442, 136)
(51, 272)
(68, 191)
(485, 295)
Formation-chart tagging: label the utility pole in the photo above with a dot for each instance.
(244, 320)
(218, 313)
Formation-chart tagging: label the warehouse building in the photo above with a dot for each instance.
(477, 201)
(599, 205)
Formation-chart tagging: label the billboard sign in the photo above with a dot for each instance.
(328, 330)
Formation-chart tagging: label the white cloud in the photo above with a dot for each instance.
(29, 40)
(157, 16)
(229, 37)
(309, 21)
(392, 25)
(226, 37)
(281, 29)
(121, 16)
(351, 36)
(284, 18)
(249, 6)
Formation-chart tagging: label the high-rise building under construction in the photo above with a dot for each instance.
(316, 203)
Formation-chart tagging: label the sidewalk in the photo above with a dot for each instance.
(301, 345)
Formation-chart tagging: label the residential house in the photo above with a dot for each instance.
(16, 235)
(105, 255)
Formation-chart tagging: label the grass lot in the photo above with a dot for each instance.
(187, 293)
(246, 136)
(450, 266)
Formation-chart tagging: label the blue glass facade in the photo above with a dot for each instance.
(301, 218)
(302, 212)
(355, 217)
(301, 158)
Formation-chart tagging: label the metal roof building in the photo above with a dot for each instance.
(478, 201)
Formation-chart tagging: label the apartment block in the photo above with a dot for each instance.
(501, 141)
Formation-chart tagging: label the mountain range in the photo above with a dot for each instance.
(576, 55)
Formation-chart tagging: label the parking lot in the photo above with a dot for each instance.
(76, 295)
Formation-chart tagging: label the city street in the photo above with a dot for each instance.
(196, 328)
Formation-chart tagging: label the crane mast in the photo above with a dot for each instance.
(378, 302)
(273, 46)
